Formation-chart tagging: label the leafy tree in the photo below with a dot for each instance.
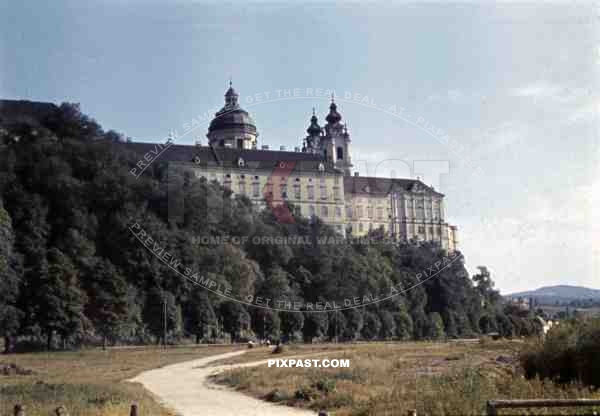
(371, 326)
(154, 313)
(388, 324)
(436, 326)
(291, 323)
(235, 319)
(107, 298)
(315, 326)
(60, 301)
(9, 285)
(201, 314)
(404, 325)
(354, 324)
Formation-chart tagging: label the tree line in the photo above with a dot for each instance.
(71, 273)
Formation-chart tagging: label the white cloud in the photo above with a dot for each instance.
(545, 90)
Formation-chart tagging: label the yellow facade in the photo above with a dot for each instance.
(416, 215)
(313, 195)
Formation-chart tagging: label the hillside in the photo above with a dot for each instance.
(559, 293)
(75, 267)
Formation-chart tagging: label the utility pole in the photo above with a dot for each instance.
(336, 326)
(164, 322)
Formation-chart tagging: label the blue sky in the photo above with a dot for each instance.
(514, 84)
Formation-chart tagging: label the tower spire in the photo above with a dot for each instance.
(231, 97)
(333, 117)
(314, 129)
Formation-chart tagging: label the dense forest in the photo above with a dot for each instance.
(72, 272)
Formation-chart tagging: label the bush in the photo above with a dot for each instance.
(306, 394)
(569, 353)
(325, 385)
(276, 396)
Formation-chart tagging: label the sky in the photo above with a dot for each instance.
(513, 85)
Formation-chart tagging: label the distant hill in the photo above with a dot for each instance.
(558, 294)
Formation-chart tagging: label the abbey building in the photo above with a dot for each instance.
(316, 178)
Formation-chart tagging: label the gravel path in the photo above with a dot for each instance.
(185, 388)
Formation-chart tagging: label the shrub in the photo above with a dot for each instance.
(305, 393)
(277, 396)
(569, 353)
(325, 385)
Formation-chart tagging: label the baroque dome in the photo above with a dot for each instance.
(232, 122)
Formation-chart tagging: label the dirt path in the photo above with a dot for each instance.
(185, 388)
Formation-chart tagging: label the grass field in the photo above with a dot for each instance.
(89, 382)
(383, 379)
(389, 379)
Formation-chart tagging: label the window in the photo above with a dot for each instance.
(243, 187)
(360, 227)
(311, 192)
(370, 212)
(380, 213)
(297, 191)
(324, 211)
(421, 229)
(269, 190)
(338, 212)
(336, 193)
(419, 209)
(436, 210)
(311, 210)
(340, 153)
(255, 189)
(359, 210)
(323, 192)
(284, 191)
(349, 211)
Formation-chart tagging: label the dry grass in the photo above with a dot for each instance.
(390, 379)
(89, 382)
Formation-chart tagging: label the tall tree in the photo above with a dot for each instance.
(107, 305)
(59, 299)
(9, 283)
(201, 314)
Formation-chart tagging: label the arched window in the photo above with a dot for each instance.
(340, 153)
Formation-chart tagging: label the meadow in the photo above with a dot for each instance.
(393, 378)
(88, 382)
(384, 378)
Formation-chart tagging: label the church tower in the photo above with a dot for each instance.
(335, 145)
(232, 125)
(312, 142)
